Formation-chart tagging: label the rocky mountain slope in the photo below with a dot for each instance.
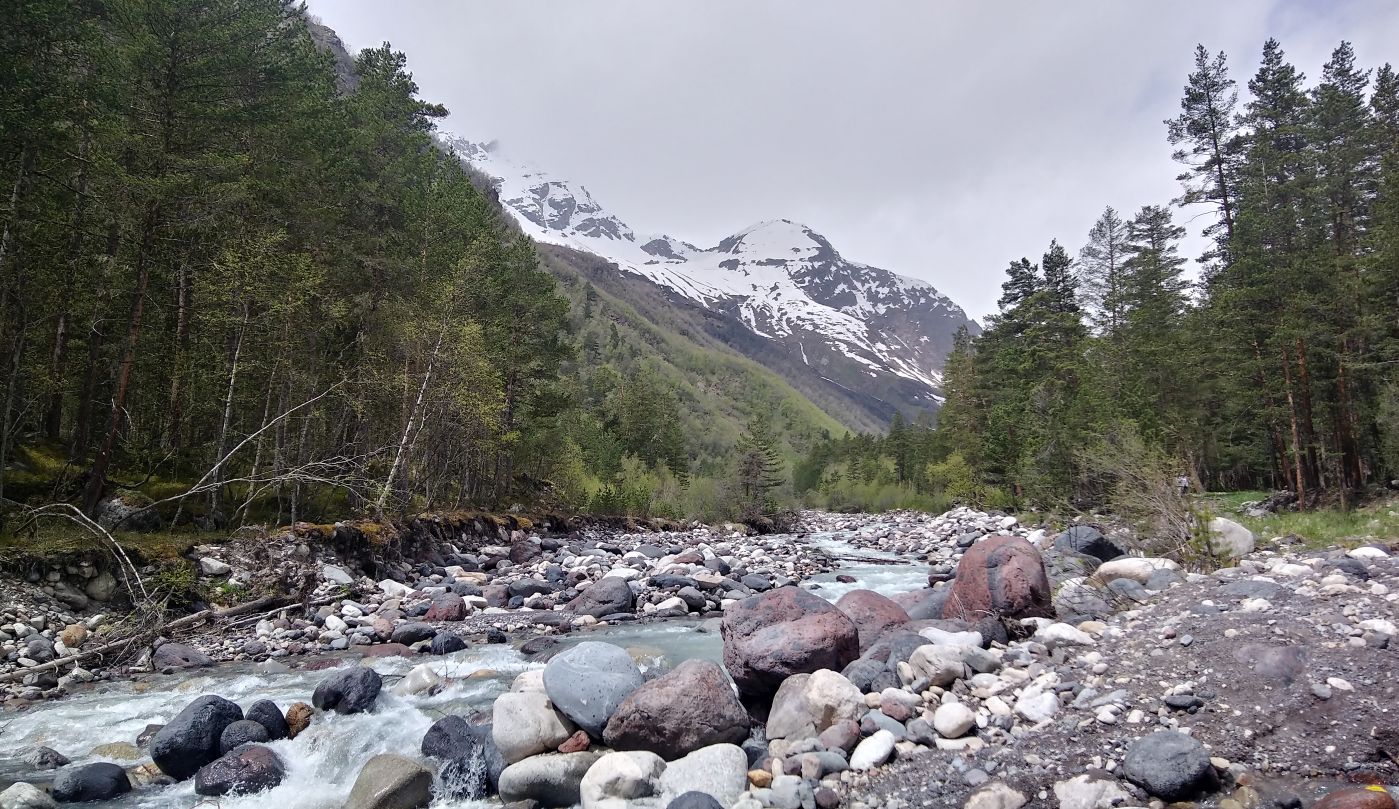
(864, 336)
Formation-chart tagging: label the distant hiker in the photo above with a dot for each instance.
(1182, 485)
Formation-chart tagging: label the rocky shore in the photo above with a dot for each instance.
(1037, 668)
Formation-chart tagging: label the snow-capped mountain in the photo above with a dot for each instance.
(852, 323)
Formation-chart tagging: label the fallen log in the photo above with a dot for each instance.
(267, 604)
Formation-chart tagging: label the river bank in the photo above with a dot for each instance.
(1274, 673)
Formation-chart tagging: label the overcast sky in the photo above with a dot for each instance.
(936, 139)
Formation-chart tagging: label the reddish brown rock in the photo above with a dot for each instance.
(872, 614)
(576, 743)
(770, 637)
(1001, 576)
(446, 607)
(690, 707)
(298, 718)
(1356, 798)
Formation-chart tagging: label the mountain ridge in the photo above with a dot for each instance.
(859, 327)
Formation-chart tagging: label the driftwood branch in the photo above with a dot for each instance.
(268, 605)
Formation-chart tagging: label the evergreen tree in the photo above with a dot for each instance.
(1100, 272)
(1209, 146)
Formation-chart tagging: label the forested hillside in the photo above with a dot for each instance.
(241, 275)
(1279, 368)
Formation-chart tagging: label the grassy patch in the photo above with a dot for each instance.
(1326, 527)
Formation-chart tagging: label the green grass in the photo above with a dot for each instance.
(1330, 526)
(1377, 522)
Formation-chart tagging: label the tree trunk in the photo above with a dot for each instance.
(216, 495)
(1304, 386)
(183, 292)
(97, 479)
(58, 357)
(412, 422)
(1299, 479)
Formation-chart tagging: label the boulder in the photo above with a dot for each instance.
(694, 800)
(1087, 792)
(298, 718)
(349, 690)
(786, 631)
(471, 763)
(689, 707)
(266, 713)
(719, 771)
(191, 739)
(249, 769)
(942, 665)
(872, 614)
(607, 596)
(587, 683)
(1001, 576)
(128, 512)
(90, 782)
(807, 704)
(873, 751)
(1137, 568)
(391, 781)
(244, 731)
(525, 723)
(447, 607)
(26, 796)
(553, 779)
(412, 632)
(617, 780)
(444, 643)
(179, 656)
(1229, 540)
(1169, 765)
(1087, 541)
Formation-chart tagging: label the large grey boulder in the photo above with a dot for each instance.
(349, 690)
(1170, 765)
(1088, 541)
(251, 768)
(807, 704)
(90, 782)
(553, 779)
(720, 771)
(1229, 540)
(179, 656)
(524, 723)
(689, 707)
(391, 781)
(587, 683)
(623, 780)
(191, 739)
(607, 596)
(26, 796)
(471, 762)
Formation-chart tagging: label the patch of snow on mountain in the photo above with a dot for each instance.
(784, 280)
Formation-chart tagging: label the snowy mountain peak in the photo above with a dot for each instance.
(785, 281)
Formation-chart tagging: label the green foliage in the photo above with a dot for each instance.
(1278, 370)
(210, 247)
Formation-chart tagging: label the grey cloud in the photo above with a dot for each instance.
(936, 139)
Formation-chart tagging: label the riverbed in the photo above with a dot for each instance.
(322, 762)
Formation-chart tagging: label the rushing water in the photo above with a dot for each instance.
(323, 761)
(880, 571)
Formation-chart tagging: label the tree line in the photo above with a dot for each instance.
(241, 278)
(224, 260)
(1277, 368)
